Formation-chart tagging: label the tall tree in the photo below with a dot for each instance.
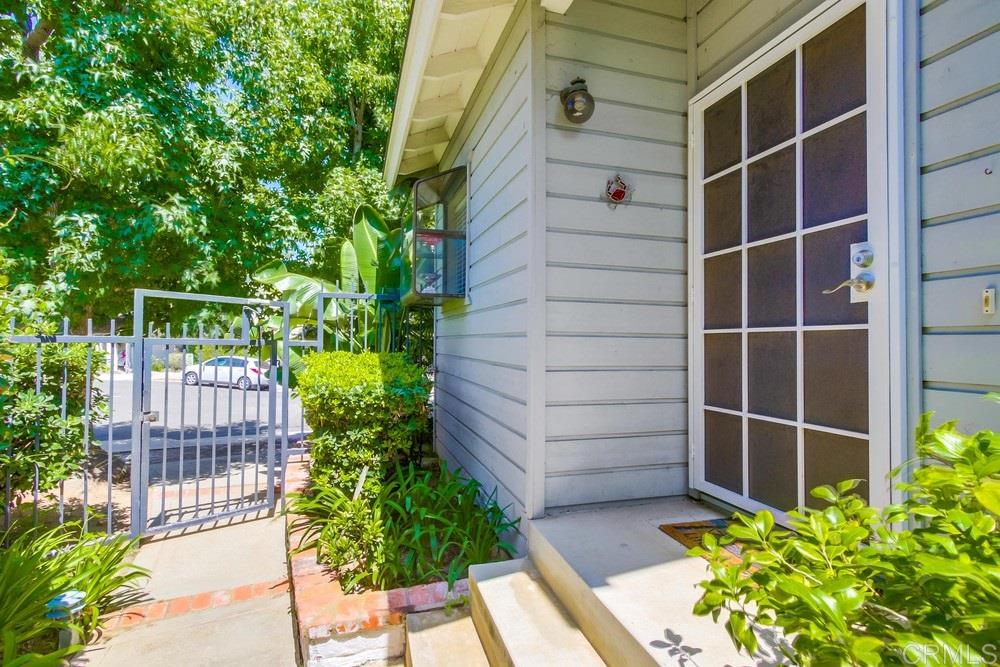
(181, 144)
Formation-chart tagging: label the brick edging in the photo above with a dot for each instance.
(157, 610)
(321, 608)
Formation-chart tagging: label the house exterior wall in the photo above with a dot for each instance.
(481, 354)
(727, 31)
(960, 206)
(563, 379)
(616, 397)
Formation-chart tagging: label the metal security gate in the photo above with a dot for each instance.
(790, 292)
(162, 429)
(209, 435)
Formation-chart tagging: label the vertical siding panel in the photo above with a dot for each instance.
(960, 208)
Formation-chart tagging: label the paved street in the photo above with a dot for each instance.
(189, 412)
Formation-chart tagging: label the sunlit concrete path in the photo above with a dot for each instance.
(217, 597)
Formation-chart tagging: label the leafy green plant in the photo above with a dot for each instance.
(913, 583)
(40, 564)
(34, 434)
(341, 459)
(441, 522)
(422, 526)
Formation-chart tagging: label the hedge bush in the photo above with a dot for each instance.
(365, 409)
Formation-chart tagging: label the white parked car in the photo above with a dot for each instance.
(234, 371)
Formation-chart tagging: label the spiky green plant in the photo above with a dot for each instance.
(423, 526)
(39, 564)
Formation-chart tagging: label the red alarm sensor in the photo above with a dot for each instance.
(617, 191)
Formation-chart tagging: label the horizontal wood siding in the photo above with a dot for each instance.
(481, 351)
(727, 31)
(616, 366)
(960, 207)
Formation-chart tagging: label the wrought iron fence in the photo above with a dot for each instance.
(42, 401)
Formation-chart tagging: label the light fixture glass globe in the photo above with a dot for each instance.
(578, 103)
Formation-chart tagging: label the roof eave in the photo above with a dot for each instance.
(419, 39)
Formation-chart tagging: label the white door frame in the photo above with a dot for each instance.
(887, 370)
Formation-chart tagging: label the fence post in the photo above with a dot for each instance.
(138, 514)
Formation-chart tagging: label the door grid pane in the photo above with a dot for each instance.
(771, 195)
(771, 106)
(722, 134)
(835, 173)
(722, 212)
(833, 73)
(773, 450)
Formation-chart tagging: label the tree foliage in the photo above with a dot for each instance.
(181, 144)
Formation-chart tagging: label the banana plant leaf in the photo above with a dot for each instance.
(369, 231)
(299, 290)
(348, 267)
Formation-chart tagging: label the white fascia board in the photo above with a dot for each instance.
(419, 39)
(557, 6)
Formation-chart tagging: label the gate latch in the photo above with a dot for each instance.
(151, 416)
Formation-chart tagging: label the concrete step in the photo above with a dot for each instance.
(519, 620)
(630, 588)
(443, 638)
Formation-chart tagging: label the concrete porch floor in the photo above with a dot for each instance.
(631, 587)
(219, 597)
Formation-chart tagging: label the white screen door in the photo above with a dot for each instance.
(789, 379)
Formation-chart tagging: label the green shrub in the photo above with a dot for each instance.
(40, 564)
(345, 391)
(157, 365)
(339, 460)
(365, 409)
(914, 583)
(422, 526)
(58, 452)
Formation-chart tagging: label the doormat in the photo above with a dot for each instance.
(689, 534)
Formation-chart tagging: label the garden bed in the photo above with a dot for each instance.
(378, 526)
(337, 628)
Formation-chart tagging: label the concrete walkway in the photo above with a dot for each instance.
(218, 597)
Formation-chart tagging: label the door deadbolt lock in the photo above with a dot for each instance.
(862, 258)
(862, 280)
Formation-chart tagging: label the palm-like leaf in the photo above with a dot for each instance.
(370, 230)
(299, 290)
(348, 267)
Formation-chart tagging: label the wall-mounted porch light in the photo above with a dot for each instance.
(577, 103)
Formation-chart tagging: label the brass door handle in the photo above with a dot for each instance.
(863, 282)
